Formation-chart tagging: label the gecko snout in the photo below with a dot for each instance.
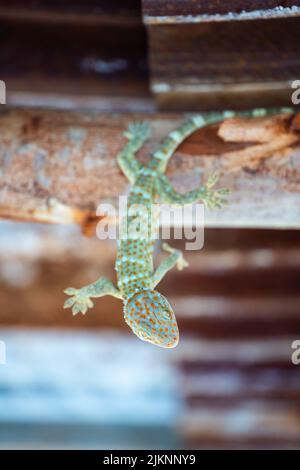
(151, 318)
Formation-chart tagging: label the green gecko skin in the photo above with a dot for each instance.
(146, 311)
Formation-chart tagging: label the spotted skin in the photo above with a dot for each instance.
(147, 312)
(151, 318)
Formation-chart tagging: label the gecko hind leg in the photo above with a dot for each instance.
(137, 133)
(80, 300)
(174, 259)
(212, 198)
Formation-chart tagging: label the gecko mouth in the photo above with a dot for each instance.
(151, 318)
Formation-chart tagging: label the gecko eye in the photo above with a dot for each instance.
(151, 318)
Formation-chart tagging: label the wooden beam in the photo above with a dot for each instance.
(179, 11)
(96, 55)
(196, 65)
(57, 167)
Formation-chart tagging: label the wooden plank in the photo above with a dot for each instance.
(265, 424)
(124, 95)
(235, 387)
(59, 166)
(56, 16)
(221, 295)
(96, 55)
(282, 281)
(180, 11)
(89, 7)
(197, 66)
(237, 316)
(241, 353)
(194, 61)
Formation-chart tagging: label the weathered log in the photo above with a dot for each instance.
(59, 166)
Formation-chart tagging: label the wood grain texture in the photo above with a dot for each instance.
(199, 66)
(172, 11)
(203, 57)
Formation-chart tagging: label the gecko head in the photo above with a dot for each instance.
(151, 318)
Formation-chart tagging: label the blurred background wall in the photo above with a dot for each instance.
(87, 382)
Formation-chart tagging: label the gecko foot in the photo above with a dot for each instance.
(79, 302)
(138, 130)
(214, 198)
(181, 262)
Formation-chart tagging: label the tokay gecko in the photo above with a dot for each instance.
(146, 311)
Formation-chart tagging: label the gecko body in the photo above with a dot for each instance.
(146, 311)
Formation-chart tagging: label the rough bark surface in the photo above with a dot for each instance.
(57, 167)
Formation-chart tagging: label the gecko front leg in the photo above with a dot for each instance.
(137, 133)
(81, 298)
(175, 259)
